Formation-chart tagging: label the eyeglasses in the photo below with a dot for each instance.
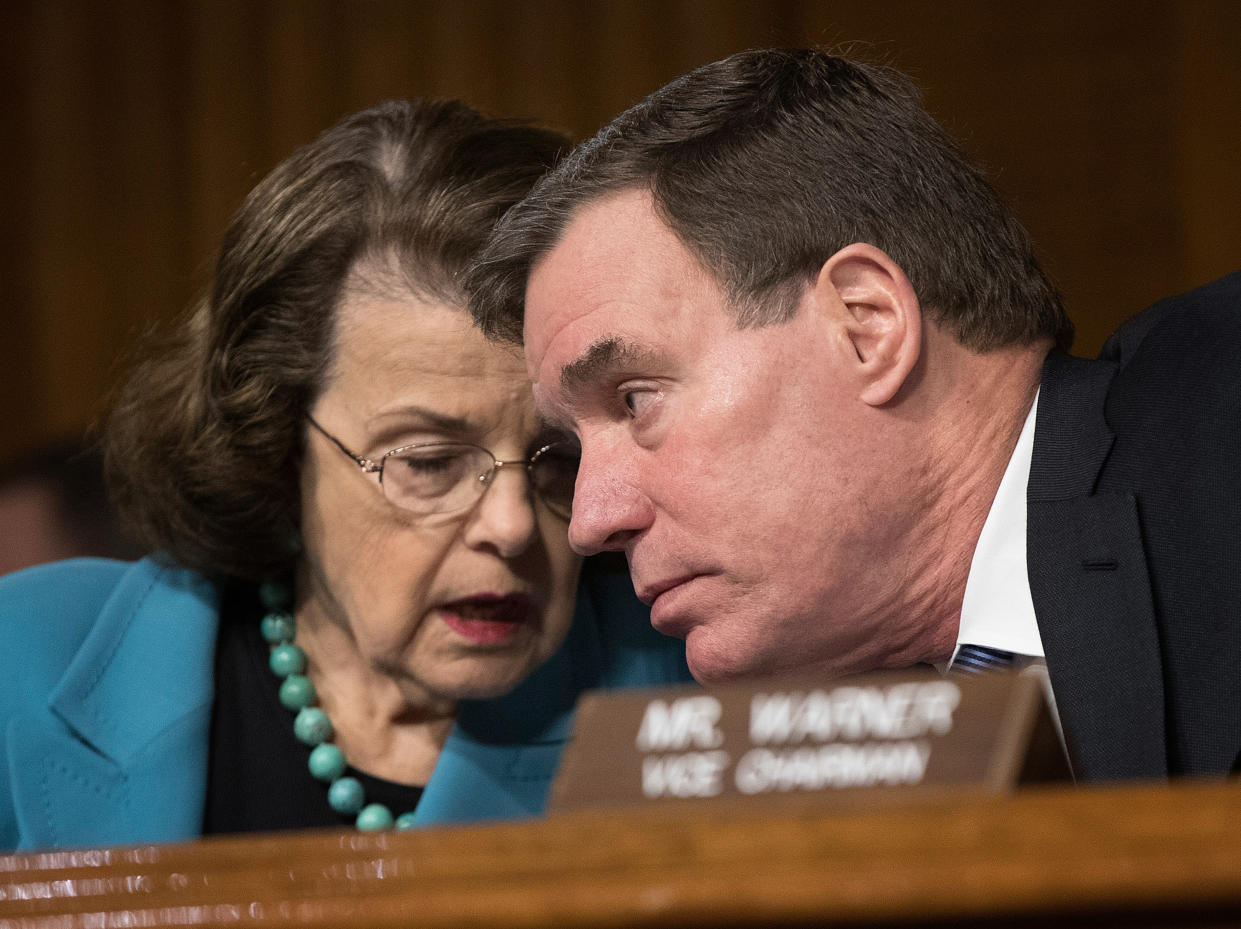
(438, 478)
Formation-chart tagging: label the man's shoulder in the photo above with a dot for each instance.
(1208, 316)
(1180, 356)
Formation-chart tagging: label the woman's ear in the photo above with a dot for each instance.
(877, 313)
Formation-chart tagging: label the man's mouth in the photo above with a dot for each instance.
(671, 601)
(649, 593)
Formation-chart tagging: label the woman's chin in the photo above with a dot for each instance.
(477, 677)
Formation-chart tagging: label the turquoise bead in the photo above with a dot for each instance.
(312, 726)
(374, 817)
(277, 628)
(287, 659)
(327, 762)
(275, 595)
(345, 795)
(297, 692)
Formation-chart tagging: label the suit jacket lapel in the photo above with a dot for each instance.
(119, 753)
(1089, 582)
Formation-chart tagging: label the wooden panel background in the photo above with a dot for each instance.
(133, 128)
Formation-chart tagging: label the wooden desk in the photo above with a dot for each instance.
(1131, 855)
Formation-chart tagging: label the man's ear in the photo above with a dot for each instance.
(878, 313)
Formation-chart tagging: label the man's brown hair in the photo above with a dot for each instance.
(768, 162)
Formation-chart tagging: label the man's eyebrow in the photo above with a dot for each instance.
(603, 355)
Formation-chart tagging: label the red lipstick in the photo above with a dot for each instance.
(490, 619)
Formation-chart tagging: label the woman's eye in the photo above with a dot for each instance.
(433, 472)
(431, 466)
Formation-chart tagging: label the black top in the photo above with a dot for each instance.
(257, 778)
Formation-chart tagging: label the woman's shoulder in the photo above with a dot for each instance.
(102, 664)
(53, 601)
(47, 611)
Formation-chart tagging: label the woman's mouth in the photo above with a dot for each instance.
(490, 619)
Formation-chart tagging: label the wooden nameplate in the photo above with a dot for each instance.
(827, 741)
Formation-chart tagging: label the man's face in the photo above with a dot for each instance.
(734, 467)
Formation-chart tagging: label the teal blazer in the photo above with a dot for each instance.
(106, 690)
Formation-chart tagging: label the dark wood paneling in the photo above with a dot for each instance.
(1208, 141)
(136, 127)
(22, 403)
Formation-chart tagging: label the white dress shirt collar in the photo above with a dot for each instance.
(998, 611)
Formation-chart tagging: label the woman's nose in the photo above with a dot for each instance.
(504, 516)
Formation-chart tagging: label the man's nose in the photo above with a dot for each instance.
(608, 508)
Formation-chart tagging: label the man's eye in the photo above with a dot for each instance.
(637, 401)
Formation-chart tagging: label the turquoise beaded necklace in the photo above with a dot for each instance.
(312, 726)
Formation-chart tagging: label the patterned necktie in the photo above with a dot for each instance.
(978, 659)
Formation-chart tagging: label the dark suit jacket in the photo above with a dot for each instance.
(1134, 540)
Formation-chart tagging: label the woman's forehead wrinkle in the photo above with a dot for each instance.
(434, 418)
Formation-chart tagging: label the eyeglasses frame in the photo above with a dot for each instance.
(370, 466)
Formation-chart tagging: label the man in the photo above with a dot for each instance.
(820, 385)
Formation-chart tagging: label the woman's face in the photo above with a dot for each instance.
(450, 606)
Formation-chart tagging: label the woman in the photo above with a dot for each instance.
(361, 525)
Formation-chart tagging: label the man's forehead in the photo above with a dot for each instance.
(619, 232)
(606, 244)
(594, 228)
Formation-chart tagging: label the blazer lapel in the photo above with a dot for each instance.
(1089, 581)
(119, 753)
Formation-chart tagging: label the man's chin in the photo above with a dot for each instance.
(711, 664)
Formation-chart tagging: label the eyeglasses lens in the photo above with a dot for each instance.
(553, 472)
(448, 478)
